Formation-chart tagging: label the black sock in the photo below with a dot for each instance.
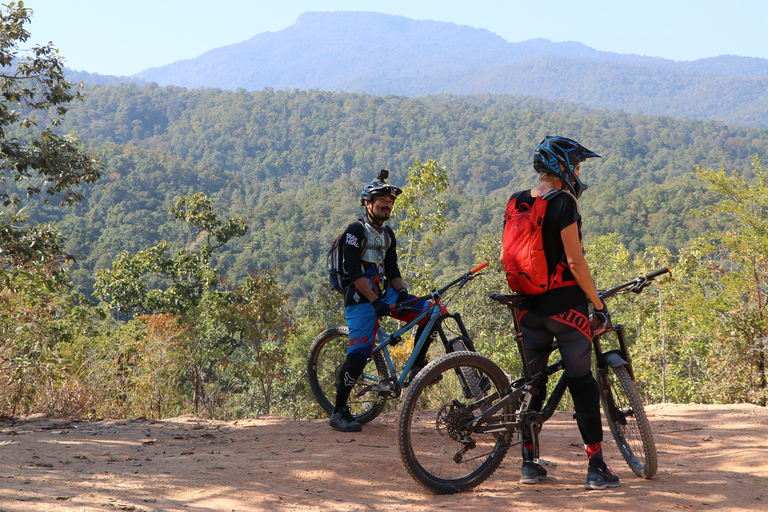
(349, 373)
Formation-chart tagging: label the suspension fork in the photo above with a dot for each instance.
(619, 356)
(456, 317)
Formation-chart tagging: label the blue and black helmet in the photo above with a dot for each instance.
(553, 151)
(379, 187)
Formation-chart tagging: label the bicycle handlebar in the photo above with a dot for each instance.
(637, 284)
(465, 278)
(479, 267)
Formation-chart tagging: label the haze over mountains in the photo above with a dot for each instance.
(384, 54)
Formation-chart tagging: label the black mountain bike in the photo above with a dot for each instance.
(380, 380)
(452, 439)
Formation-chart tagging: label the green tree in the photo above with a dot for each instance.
(34, 161)
(151, 281)
(424, 218)
(258, 315)
(32, 85)
(742, 215)
(185, 284)
(43, 163)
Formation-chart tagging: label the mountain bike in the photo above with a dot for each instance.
(380, 380)
(451, 441)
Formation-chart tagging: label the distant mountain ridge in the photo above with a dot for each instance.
(384, 54)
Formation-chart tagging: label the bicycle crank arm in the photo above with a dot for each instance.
(389, 388)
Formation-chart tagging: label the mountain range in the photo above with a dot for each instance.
(384, 54)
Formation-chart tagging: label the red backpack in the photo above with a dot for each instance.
(524, 260)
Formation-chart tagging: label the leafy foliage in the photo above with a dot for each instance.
(423, 219)
(33, 85)
(292, 164)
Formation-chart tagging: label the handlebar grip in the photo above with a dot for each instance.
(479, 267)
(657, 273)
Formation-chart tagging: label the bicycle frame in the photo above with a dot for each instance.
(437, 313)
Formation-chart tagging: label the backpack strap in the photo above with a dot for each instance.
(556, 279)
(364, 241)
(552, 193)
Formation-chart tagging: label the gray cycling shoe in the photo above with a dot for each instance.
(600, 479)
(343, 421)
(532, 473)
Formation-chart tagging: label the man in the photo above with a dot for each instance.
(562, 311)
(370, 262)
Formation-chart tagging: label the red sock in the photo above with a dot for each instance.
(595, 455)
(527, 452)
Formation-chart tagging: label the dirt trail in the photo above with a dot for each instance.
(710, 458)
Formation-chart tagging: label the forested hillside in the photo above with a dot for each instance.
(162, 250)
(291, 165)
(293, 162)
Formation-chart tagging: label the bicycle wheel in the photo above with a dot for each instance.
(436, 447)
(626, 418)
(326, 356)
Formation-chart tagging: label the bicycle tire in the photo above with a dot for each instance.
(326, 355)
(629, 425)
(441, 455)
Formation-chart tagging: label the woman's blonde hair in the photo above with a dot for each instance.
(545, 176)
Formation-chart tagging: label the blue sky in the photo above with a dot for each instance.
(123, 37)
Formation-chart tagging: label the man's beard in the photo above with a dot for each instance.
(379, 217)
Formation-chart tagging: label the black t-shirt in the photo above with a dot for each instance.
(562, 211)
(379, 263)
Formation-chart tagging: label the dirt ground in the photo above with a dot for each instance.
(710, 458)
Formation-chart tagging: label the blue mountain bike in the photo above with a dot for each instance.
(381, 381)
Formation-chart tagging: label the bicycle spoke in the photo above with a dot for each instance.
(630, 427)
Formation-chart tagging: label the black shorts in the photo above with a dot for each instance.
(574, 339)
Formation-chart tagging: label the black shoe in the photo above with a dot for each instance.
(532, 473)
(343, 421)
(600, 479)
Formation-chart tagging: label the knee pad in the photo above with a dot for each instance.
(351, 369)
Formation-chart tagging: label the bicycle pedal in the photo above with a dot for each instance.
(546, 463)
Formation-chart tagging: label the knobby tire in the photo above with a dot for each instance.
(630, 428)
(435, 446)
(471, 378)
